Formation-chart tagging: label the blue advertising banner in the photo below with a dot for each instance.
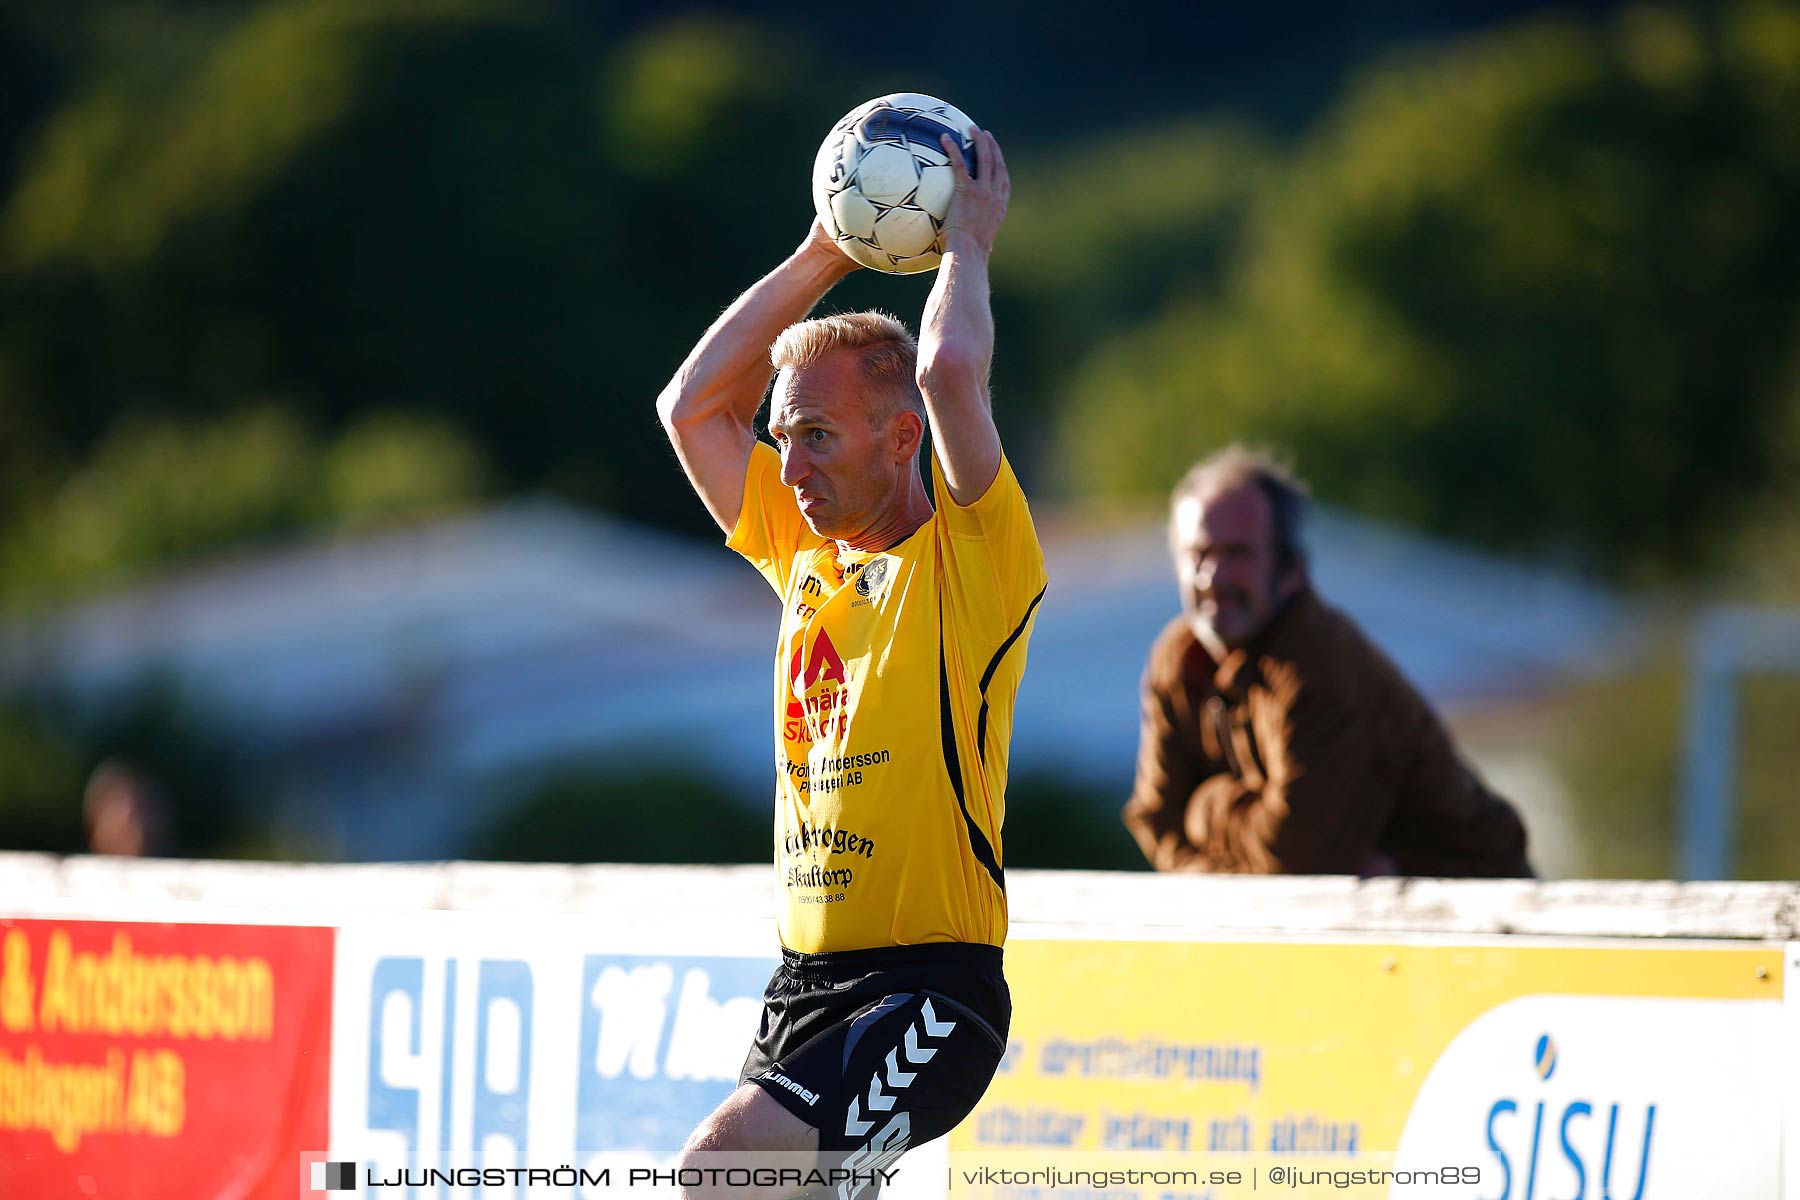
(453, 1040)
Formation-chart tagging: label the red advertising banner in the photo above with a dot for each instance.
(148, 1060)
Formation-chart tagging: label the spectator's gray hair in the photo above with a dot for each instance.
(1237, 465)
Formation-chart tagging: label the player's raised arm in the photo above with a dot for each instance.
(709, 407)
(956, 337)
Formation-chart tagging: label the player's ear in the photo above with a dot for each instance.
(909, 430)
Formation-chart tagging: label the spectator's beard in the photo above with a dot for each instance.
(1231, 615)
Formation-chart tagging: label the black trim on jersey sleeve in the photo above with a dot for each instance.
(987, 676)
(978, 843)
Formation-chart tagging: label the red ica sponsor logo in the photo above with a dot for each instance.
(816, 716)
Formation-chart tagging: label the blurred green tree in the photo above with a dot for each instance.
(1537, 290)
(160, 491)
(1102, 236)
(487, 212)
(40, 808)
(612, 813)
(1055, 824)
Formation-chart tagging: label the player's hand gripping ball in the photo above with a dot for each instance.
(881, 183)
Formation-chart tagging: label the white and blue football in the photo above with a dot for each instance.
(881, 182)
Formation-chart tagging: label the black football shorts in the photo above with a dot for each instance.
(881, 1049)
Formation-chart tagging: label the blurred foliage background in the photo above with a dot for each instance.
(1522, 274)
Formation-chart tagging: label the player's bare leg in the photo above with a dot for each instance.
(751, 1124)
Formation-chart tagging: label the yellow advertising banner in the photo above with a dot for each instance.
(1503, 1070)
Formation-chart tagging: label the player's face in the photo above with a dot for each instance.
(1226, 562)
(838, 466)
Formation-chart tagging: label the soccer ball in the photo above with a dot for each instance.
(881, 182)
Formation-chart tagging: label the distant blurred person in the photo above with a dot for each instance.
(1276, 738)
(123, 812)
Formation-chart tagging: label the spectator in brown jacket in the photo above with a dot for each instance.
(1276, 738)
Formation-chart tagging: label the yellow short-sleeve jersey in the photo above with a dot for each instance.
(895, 677)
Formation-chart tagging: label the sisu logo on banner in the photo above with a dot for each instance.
(1618, 1153)
(1606, 1098)
(536, 1052)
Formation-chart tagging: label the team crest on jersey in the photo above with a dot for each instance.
(873, 576)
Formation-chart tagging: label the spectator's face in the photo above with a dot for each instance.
(1226, 562)
(830, 456)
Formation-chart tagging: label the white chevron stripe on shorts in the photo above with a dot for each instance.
(881, 1100)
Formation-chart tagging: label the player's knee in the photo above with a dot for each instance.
(703, 1149)
(711, 1136)
(724, 1131)
(747, 1131)
(748, 1123)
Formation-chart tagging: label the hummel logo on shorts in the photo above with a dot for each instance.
(790, 1085)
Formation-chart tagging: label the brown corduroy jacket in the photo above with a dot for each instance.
(1306, 752)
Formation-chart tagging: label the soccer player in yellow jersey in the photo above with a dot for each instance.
(903, 631)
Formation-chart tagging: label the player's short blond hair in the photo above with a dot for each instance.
(886, 353)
